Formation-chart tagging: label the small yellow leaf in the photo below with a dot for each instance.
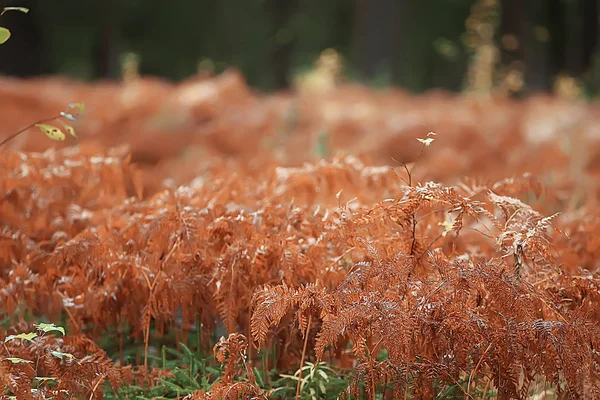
(447, 227)
(427, 142)
(4, 34)
(52, 132)
(70, 130)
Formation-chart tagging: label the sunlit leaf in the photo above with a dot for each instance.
(50, 327)
(22, 9)
(68, 116)
(17, 360)
(322, 387)
(4, 34)
(45, 378)
(70, 130)
(52, 132)
(323, 374)
(427, 142)
(447, 227)
(60, 354)
(25, 336)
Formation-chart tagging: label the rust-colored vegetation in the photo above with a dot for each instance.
(309, 227)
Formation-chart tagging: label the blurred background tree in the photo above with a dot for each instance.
(519, 45)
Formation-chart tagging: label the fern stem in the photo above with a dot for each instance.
(372, 379)
(303, 355)
(472, 375)
(98, 381)
(199, 335)
(485, 390)
(120, 347)
(146, 340)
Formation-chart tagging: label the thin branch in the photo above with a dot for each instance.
(303, 355)
(14, 135)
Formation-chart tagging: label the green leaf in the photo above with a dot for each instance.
(22, 9)
(259, 378)
(4, 34)
(25, 336)
(52, 132)
(79, 106)
(60, 354)
(17, 360)
(427, 142)
(49, 327)
(322, 387)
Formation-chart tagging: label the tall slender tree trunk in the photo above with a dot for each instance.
(591, 24)
(512, 30)
(377, 36)
(595, 53)
(281, 13)
(538, 75)
(107, 52)
(574, 40)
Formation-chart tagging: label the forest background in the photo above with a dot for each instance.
(416, 45)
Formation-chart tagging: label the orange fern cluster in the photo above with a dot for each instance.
(455, 287)
(482, 284)
(203, 248)
(172, 128)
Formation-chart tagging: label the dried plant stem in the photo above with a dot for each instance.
(98, 381)
(146, 341)
(413, 234)
(120, 348)
(72, 318)
(151, 299)
(249, 333)
(476, 368)
(406, 391)
(303, 355)
(14, 135)
(372, 380)
(385, 385)
(485, 390)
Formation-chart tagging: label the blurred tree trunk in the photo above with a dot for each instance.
(24, 54)
(377, 36)
(538, 74)
(107, 52)
(280, 14)
(512, 28)
(594, 67)
(591, 20)
(597, 25)
(574, 39)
